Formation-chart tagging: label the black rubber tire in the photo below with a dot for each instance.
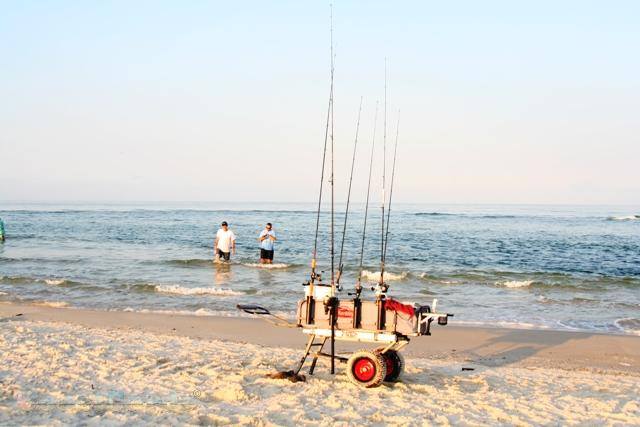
(366, 368)
(395, 365)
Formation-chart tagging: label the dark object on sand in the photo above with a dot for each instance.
(468, 369)
(287, 375)
(261, 311)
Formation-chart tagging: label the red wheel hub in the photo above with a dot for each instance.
(364, 369)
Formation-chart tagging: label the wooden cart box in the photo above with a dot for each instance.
(397, 322)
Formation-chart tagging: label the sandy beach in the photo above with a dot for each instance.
(63, 365)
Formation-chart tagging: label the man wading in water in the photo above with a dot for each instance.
(267, 240)
(225, 243)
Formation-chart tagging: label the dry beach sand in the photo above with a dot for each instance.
(70, 366)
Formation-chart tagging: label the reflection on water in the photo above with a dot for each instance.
(223, 274)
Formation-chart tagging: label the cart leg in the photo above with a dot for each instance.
(315, 355)
(306, 354)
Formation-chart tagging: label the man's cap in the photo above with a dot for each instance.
(224, 223)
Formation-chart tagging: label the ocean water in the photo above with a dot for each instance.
(560, 267)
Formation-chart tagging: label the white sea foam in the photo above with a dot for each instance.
(54, 282)
(629, 325)
(205, 312)
(516, 283)
(182, 290)
(198, 312)
(54, 304)
(375, 275)
(499, 324)
(3, 293)
(277, 266)
(625, 218)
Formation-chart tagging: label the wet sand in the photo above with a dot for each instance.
(487, 346)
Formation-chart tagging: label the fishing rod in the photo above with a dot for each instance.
(384, 171)
(314, 276)
(366, 208)
(324, 156)
(346, 212)
(381, 289)
(393, 174)
(333, 285)
(331, 304)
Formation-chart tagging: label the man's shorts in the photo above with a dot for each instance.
(224, 255)
(265, 254)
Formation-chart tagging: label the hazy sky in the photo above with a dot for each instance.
(501, 102)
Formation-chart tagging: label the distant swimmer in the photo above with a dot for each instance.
(1, 230)
(267, 242)
(225, 243)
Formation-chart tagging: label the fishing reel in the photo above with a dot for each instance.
(380, 289)
(330, 303)
(315, 277)
(358, 290)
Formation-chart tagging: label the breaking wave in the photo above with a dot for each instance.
(276, 266)
(182, 290)
(19, 280)
(516, 283)
(375, 275)
(624, 218)
(629, 325)
(53, 304)
(198, 312)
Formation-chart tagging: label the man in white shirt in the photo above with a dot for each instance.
(225, 243)
(267, 239)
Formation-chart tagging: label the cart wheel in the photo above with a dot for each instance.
(394, 363)
(366, 368)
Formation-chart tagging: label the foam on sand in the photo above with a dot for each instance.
(64, 373)
(54, 304)
(629, 325)
(198, 312)
(183, 290)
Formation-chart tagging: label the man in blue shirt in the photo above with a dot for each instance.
(267, 240)
(1, 230)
